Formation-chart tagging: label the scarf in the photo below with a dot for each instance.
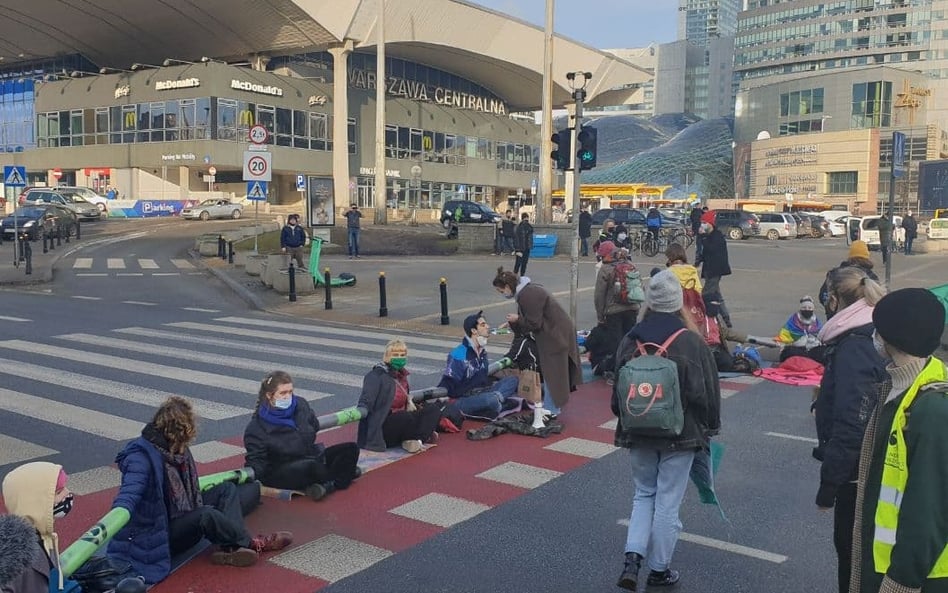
(277, 417)
(182, 492)
(856, 315)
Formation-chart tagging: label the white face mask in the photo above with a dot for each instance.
(482, 341)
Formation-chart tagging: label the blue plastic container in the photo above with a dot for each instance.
(543, 246)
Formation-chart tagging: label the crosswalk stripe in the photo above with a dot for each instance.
(108, 426)
(309, 340)
(246, 363)
(8, 318)
(115, 263)
(83, 263)
(182, 264)
(147, 368)
(283, 351)
(200, 310)
(147, 264)
(86, 298)
(14, 450)
(115, 389)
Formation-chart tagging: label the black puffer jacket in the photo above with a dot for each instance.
(847, 398)
(269, 446)
(714, 260)
(697, 376)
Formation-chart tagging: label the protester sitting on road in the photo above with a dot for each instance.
(616, 308)
(169, 513)
(540, 314)
(393, 418)
(661, 465)
(799, 334)
(292, 240)
(847, 393)
(466, 375)
(281, 444)
(859, 258)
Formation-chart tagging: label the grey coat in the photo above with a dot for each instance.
(555, 334)
(24, 565)
(605, 295)
(378, 393)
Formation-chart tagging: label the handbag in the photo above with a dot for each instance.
(529, 386)
(100, 574)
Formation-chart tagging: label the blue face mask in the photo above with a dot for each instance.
(283, 404)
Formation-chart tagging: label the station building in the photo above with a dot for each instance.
(152, 100)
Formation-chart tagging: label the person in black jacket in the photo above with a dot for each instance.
(661, 465)
(292, 240)
(714, 264)
(585, 231)
(847, 395)
(281, 444)
(524, 243)
(509, 228)
(393, 418)
(910, 225)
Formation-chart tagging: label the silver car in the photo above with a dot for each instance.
(777, 225)
(83, 209)
(214, 208)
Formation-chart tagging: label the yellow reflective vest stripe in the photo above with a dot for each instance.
(895, 474)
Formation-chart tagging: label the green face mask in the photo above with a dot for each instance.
(398, 363)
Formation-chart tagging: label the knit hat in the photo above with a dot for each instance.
(806, 304)
(470, 322)
(911, 319)
(709, 217)
(606, 249)
(664, 293)
(61, 480)
(859, 249)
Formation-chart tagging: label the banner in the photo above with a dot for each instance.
(147, 208)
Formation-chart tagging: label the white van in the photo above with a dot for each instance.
(938, 228)
(866, 228)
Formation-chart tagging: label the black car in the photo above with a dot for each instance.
(626, 216)
(737, 224)
(470, 212)
(33, 219)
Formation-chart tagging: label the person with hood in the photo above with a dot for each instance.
(799, 333)
(900, 540)
(585, 231)
(35, 494)
(612, 311)
(858, 257)
(910, 227)
(661, 465)
(524, 243)
(714, 264)
(847, 393)
(653, 222)
(393, 418)
(540, 314)
(169, 513)
(280, 440)
(292, 240)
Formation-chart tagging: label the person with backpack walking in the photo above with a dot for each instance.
(668, 401)
(618, 291)
(524, 243)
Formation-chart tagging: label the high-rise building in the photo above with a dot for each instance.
(702, 20)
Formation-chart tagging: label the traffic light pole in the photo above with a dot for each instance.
(579, 95)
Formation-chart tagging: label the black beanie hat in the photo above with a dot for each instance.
(470, 322)
(911, 319)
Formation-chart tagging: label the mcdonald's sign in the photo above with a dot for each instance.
(130, 120)
(246, 118)
(427, 143)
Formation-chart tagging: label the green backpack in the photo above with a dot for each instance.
(648, 392)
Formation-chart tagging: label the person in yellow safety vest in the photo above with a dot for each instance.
(901, 534)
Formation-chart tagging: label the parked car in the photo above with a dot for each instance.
(837, 227)
(83, 209)
(866, 228)
(777, 225)
(214, 208)
(626, 216)
(737, 224)
(471, 211)
(30, 220)
(817, 224)
(101, 202)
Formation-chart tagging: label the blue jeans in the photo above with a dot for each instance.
(908, 245)
(660, 479)
(353, 241)
(489, 402)
(584, 246)
(548, 404)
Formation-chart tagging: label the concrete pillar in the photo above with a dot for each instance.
(340, 124)
(184, 182)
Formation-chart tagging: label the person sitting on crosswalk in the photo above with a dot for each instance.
(169, 513)
(281, 444)
(393, 418)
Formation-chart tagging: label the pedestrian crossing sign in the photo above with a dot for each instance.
(257, 190)
(14, 176)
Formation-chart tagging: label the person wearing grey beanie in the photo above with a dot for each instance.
(661, 465)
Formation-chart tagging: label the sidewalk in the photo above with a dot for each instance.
(13, 275)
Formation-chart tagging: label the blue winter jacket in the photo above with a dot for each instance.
(144, 541)
(292, 236)
(465, 370)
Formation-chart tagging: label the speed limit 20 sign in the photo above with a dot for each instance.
(257, 166)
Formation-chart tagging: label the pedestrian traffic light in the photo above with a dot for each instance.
(561, 149)
(586, 155)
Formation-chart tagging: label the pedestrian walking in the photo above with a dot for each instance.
(653, 222)
(292, 240)
(539, 313)
(499, 237)
(509, 226)
(353, 227)
(885, 236)
(523, 243)
(900, 537)
(585, 231)
(616, 296)
(847, 392)
(910, 226)
(661, 464)
(714, 265)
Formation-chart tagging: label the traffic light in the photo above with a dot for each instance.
(586, 155)
(562, 149)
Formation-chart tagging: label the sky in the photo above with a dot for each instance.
(604, 24)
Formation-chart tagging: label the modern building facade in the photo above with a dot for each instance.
(699, 21)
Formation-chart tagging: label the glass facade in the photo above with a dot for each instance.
(842, 182)
(16, 115)
(872, 105)
(404, 194)
(441, 147)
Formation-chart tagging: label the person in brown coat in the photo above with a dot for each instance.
(538, 312)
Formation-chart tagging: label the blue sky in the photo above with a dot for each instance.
(601, 23)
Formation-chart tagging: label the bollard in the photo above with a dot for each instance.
(383, 301)
(59, 237)
(292, 273)
(45, 240)
(445, 320)
(230, 252)
(29, 257)
(78, 231)
(221, 247)
(68, 234)
(328, 280)
(21, 254)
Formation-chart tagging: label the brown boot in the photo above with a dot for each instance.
(236, 557)
(273, 542)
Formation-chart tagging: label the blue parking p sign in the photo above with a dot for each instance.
(300, 182)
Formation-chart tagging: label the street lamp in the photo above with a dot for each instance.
(172, 61)
(140, 66)
(205, 60)
(107, 69)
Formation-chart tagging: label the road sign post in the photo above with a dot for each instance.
(256, 192)
(15, 177)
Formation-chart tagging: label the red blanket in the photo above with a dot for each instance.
(796, 370)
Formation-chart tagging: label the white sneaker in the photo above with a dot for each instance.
(412, 446)
(540, 415)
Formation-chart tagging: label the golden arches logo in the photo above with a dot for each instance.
(130, 119)
(246, 118)
(427, 143)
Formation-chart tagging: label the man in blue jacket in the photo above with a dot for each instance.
(466, 377)
(292, 239)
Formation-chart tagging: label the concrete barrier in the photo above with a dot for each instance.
(255, 263)
(203, 238)
(208, 248)
(240, 258)
(304, 282)
(275, 264)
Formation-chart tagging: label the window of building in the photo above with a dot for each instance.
(102, 125)
(872, 105)
(353, 145)
(842, 182)
(226, 119)
(266, 117)
(318, 131)
(301, 129)
(187, 116)
(284, 127)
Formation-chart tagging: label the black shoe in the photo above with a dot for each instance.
(666, 578)
(629, 580)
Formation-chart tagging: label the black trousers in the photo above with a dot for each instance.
(844, 520)
(220, 520)
(408, 426)
(619, 324)
(337, 465)
(520, 264)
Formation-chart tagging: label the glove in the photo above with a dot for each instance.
(519, 254)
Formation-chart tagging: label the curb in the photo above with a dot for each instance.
(240, 290)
